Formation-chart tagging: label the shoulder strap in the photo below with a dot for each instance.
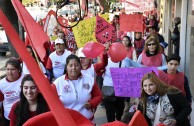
(120, 64)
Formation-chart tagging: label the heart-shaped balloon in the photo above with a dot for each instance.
(93, 49)
(117, 52)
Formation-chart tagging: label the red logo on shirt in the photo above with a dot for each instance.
(57, 63)
(67, 88)
(86, 86)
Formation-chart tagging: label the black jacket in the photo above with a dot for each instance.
(182, 109)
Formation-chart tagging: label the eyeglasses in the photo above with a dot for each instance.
(151, 44)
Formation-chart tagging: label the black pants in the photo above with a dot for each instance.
(5, 122)
(99, 81)
(114, 108)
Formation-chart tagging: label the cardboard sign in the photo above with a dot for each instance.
(105, 32)
(131, 22)
(53, 38)
(138, 5)
(84, 31)
(127, 81)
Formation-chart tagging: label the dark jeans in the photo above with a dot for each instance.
(114, 107)
(99, 81)
(127, 99)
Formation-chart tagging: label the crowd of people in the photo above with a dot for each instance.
(83, 83)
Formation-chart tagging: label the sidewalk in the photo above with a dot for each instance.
(100, 116)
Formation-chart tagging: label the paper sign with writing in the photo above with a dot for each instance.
(53, 38)
(105, 32)
(131, 22)
(71, 44)
(138, 5)
(127, 81)
(85, 30)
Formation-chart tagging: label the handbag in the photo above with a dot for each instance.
(107, 91)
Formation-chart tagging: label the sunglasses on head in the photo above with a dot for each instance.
(151, 44)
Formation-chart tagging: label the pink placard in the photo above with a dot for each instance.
(131, 22)
(105, 32)
(127, 81)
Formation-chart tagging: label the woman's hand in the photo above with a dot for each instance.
(87, 105)
(170, 122)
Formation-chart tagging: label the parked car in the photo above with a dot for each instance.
(4, 45)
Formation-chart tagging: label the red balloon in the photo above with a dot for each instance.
(115, 123)
(138, 120)
(47, 119)
(117, 52)
(93, 49)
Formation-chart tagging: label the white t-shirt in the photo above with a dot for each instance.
(26, 71)
(58, 62)
(107, 75)
(90, 71)
(11, 92)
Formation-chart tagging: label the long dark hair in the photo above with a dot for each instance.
(71, 57)
(22, 108)
(127, 37)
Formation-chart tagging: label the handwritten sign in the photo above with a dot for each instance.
(53, 38)
(131, 22)
(138, 5)
(85, 30)
(127, 81)
(71, 44)
(105, 32)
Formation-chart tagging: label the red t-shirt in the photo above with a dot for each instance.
(13, 117)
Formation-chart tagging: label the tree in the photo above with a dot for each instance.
(105, 4)
(10, 12)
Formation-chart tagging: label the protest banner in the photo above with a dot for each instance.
(84, 31)
(127, 81)
(131, 22)
(138, 5)
(105, 32)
